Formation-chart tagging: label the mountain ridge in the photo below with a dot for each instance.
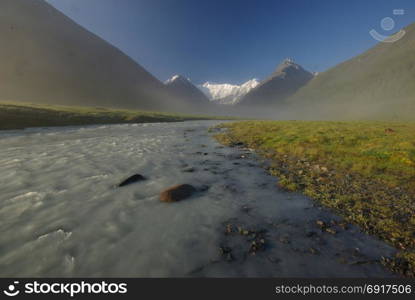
(183, 88)
(228, 94)
(287, 78)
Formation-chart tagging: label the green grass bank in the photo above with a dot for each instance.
(364, 171)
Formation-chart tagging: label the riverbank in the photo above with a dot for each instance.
(14, 115)
(364, 171)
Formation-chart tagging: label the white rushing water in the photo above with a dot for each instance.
(61, 213)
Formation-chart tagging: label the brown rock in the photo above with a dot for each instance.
(177, 193)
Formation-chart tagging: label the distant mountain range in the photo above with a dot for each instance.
(228, 94)
(253, 94)
(378, 84)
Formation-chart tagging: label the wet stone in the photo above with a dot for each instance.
(132, 179)
(177, 193)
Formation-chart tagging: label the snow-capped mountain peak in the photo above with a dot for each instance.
(225, 93)
(176, 78)
(182, 87)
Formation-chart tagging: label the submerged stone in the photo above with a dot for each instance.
(132, 179)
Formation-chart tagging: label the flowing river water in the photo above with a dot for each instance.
(62, 214)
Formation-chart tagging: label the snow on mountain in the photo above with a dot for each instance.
(225, 93)
(177, 78)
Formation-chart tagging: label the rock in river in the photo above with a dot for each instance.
(177, 193)
(132, 179)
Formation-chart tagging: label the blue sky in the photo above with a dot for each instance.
(235, 40)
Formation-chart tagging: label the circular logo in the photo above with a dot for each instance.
(387, 23)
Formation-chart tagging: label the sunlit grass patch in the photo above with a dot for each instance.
(363, 170)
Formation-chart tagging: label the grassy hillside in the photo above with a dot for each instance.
(365, 171)
(48, 58)
(377, 84)
(21, 115)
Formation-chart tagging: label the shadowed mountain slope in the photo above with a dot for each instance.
(48, 58)
(182, 87)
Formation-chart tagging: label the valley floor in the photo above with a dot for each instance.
(62, 213)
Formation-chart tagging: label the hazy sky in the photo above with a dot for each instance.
(235, 40)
